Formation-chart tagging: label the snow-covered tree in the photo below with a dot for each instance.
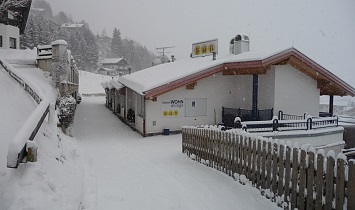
(116, 44)
(10, 5)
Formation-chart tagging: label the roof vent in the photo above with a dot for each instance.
(239, 44)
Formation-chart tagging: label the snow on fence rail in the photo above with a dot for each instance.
(290, 176)
(286, 125)
(18, 146)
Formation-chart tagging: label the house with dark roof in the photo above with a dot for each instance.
(114, 67)
(13, 19)
(207, 91)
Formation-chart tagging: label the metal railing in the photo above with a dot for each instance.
(17, 148)
(287, 125)
(229, 114)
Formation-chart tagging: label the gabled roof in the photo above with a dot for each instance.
(159, 79)
(111, 60)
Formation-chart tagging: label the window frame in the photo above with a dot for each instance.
(12, 40)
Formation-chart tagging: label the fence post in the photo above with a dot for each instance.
(281, 114)
(287, 173)
(319, 181)
(351, 184)
(302, 180)
(309, 123)
(340, 184)
(310, 180)
(329, 181)
(237, 122)
(275, 124)
(281, 170)
(294, 178)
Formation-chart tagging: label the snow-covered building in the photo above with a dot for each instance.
(203, 90)
(114, 67)
(13, 19)
(72, 26)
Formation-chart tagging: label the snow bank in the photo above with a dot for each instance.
(24, 133)
(15, 56)
(54, 182)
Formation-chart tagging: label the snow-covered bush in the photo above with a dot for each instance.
(67, 106)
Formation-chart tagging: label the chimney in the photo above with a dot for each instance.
(239, 44)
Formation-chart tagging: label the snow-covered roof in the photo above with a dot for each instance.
(110, 60)
(19, 56)
(115, 84)
(162, 78)
(72, 25)
(59, 42)
(106, 69)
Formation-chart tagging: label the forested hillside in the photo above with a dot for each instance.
(43, 27)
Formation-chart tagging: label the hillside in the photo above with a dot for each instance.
(90, 83)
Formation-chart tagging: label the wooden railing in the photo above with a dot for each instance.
(290, 176)
(17, 147)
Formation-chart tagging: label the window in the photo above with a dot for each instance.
(140, 105)
(12, 43)
(0, 41)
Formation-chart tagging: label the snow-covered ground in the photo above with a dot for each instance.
(55, 181)
(126, 171)
(16, 105)
(90, 83)
(107, 165)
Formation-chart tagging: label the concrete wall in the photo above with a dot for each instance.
(7, 31)
(228, 91)
(295, 92)
(266, 90)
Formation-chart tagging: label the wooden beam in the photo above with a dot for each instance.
(246, 71)
(191, 86)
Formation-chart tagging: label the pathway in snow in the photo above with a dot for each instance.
(127, 171)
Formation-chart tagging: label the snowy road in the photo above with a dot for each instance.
(127, 171)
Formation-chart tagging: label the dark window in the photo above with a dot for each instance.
(12, 43)
(0, 41)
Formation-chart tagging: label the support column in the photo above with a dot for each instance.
(255, 97)
(331, 103)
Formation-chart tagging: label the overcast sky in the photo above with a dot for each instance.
(324, 30)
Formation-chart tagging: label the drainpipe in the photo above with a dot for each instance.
(255, 97)
(331, 102)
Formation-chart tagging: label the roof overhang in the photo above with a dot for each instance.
(328, 83)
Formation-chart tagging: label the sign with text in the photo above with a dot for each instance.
(173, 108)
(204, 48)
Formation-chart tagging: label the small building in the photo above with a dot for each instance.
(208, 91)
(13, 21)
(114, 67)
(72, 26)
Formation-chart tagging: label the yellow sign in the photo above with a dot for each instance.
(205, 48)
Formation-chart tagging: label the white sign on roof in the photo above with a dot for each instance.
(205, 48)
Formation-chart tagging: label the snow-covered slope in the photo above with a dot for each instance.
(16, 105)
(55, 181)
(90, 83)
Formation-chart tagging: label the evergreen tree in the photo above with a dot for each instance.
(44, 5)
(116, 44)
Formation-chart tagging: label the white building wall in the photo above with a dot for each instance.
(295, 92)
(7, 31)
(266, 90)
(228, 91)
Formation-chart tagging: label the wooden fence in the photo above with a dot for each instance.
(290, 176)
